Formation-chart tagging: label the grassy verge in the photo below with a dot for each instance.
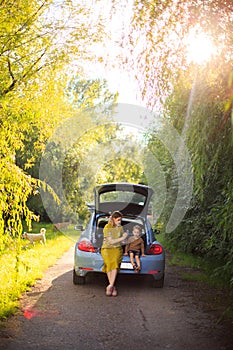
(200, 269)
(212, 289)
(22, 264)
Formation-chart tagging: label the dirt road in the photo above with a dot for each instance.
(58, 315)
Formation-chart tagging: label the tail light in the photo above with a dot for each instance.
(155, 249)
(86, 246)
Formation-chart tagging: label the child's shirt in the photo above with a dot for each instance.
(136, 244)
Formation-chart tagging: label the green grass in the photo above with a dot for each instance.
(22, 264)
(200, 269)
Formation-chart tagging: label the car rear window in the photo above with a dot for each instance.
(123, 196)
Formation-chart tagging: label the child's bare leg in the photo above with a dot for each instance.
(138, 261)
(131, 257)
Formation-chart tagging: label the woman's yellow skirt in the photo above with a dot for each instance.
(112, 258)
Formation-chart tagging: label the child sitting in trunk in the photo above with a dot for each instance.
(135, 248)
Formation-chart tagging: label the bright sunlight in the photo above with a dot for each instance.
(200, 48)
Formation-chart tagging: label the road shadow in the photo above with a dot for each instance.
(59, 314)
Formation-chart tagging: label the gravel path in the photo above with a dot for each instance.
(58, 315)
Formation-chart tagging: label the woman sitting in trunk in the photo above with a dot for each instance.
(111, 250)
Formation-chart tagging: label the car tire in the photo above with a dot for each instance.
(158, 283)
(78, 279)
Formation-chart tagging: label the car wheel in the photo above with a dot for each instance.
(78, 279)
(158, 283)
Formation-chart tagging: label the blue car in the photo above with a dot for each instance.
(132, 200)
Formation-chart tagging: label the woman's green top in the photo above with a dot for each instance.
(113, 232)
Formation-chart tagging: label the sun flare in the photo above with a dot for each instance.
(200, 48)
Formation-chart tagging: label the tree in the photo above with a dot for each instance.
(152, 40)
(36, 39)
(90, 93)
(209, 137)
(97, 157)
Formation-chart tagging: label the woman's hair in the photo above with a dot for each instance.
(116, 214)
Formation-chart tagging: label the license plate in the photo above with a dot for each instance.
(127, 266)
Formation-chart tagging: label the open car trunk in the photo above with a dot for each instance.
(130, 199)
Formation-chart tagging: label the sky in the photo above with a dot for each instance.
(118, 81)
(117, 25)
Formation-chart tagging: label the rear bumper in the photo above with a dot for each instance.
(85, 263)
(150, 265)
